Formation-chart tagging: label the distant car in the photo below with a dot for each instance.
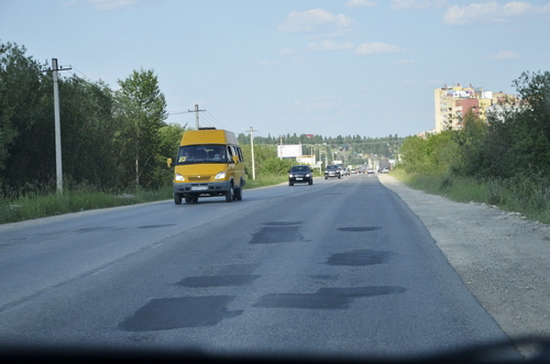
(333, 171)
(300, 174)
(342, 170)
(385, 170)
(370, 171)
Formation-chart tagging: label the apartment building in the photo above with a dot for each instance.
(452, 103)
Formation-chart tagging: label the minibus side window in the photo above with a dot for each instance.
(229, 154)
(240, 153)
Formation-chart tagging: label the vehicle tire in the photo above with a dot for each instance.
(230, 194)
(310, 181)
(339, 176)
(290, 184)
(326, 177)
(177, 198)
(239, 193)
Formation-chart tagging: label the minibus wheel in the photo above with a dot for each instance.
(230, 194)
(239, 194)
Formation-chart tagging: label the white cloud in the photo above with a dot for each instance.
(416, 4)
(305, 21)
(329, 45)
(112, 4)
(492, 12)
(504, 56)
(377, 48)
(359, 3)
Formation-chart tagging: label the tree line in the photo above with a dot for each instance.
(385, 146)
(115, 140)
(513, 145)
(111, 140)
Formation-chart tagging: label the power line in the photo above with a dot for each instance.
(216, 121)
(84, 75)
(207, 118)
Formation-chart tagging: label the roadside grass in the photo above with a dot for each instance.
(34, 206)
(82, 198)
(527, 195)
(265, 181)
(270, 180)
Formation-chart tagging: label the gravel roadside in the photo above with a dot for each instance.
(502, 258)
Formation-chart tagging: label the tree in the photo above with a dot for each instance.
(470, 142)
(89, 153)
(532, 123)
(430, 155)
(262, 153)
(518, 141)
(140, 112)
(170, 137)
(24, 112)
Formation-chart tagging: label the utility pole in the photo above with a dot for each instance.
(196, 111)
(58, 160)
(251, 131)
(281, 143)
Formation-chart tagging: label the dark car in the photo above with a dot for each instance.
(333, 170)
(300, 174)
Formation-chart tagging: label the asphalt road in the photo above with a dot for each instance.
(339, 267)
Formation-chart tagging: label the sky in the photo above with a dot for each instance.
(338, 67)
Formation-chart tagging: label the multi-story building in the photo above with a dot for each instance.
(452, 103)
(504, 106)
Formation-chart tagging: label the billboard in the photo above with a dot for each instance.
(289, 151)
(306, 159)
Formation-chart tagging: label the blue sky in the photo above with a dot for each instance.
(338, 67)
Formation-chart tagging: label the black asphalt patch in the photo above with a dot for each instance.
(154, 226)
(277, 234)
(218, 281)
(175, 313)
(282, 223)
(311, 301)
(324, 298)
(359, 258)
(362, 291)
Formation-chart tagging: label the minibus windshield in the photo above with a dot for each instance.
(209, 153)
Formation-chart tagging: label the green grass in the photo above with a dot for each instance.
(528, 195)
(265, 181)
(34, 206)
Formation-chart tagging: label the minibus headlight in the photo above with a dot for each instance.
(179, 177)
(220, 175)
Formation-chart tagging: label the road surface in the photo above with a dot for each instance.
(340, 267)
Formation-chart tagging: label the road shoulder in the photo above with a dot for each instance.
(501, 257)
